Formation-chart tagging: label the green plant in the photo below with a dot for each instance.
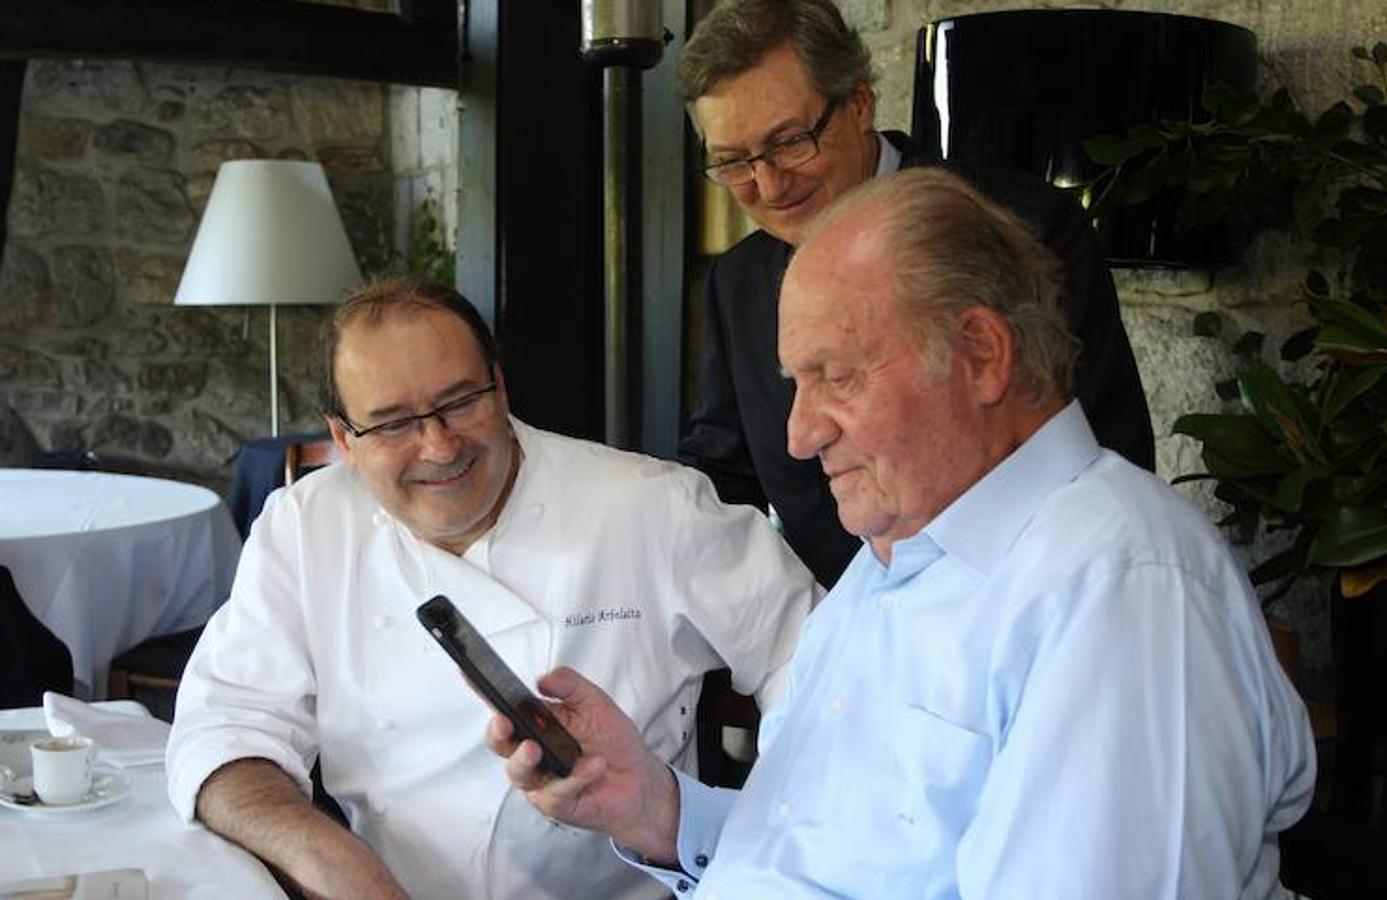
(1305, 457)
(429, 253)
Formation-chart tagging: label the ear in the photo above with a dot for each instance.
(339, 436)
(863, 103)
(501, 396)
(986, 346)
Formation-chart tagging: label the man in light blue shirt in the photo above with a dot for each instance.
(1043, 675)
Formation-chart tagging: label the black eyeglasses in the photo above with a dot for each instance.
(788, 153)
(453, 415)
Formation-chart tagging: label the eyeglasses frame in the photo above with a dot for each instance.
(814, 133)
(437, 412)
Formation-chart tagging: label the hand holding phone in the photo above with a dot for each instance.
(489, 676)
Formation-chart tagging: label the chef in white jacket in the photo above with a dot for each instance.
(560, 551)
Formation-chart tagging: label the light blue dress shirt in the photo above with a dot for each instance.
(1062, 687)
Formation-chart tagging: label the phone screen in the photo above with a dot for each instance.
(493, 679)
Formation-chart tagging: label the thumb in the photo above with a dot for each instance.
(566, 685)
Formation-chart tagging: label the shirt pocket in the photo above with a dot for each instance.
(943, 768)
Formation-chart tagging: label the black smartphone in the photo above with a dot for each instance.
(493, 679)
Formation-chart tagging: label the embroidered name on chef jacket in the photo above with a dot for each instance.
(600, 616)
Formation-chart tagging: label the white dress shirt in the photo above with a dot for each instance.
(624, 567)
(1062, 687)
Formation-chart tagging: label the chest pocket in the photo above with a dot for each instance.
(946, 770)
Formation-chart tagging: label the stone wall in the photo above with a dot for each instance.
(115, 162)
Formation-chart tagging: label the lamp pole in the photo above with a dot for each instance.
(623, 37)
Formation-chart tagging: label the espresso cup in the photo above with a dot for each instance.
(63, 769)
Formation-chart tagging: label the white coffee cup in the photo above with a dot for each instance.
(63, 769)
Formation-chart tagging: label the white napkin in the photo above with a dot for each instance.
(122, 739)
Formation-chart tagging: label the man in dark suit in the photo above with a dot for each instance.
(780, 92)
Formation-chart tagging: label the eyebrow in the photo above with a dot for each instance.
(457, 387)
(787, 125)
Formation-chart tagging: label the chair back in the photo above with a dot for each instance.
(305, 456)
(722, 715)
(32, 658)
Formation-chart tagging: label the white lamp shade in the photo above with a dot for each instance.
(271, 235)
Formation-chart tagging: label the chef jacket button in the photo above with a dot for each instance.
(376, 804)
(538, 509)
(701, 860)
(382, 622)
(379, 518)
(385, 725)
(681, 886)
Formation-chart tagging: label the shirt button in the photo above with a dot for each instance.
(681, 886)
(701, 860)
(836, 706)
(886, 602)
(385, 725)
(784, 809)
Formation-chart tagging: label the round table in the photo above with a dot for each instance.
(106, 561)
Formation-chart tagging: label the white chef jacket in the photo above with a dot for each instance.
(625, 567)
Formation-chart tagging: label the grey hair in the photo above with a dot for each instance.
(737, 34)
(952, 249)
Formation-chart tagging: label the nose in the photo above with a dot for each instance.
(770, 181)
(808, 430)
(436, 441)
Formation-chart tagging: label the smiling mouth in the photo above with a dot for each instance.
(448, 479)
(791, 207)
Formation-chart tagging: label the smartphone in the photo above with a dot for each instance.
(493, 679)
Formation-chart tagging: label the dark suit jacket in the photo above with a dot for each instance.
(737, 433)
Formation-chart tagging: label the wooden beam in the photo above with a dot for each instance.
(276, 35)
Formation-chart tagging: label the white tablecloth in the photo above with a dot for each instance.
(106, 561)
(141, 831)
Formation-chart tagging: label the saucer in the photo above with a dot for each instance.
(14, 747)
(108, 786)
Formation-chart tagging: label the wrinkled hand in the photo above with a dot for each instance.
(617, 786)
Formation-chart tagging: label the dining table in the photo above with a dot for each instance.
(106, 561)
(134, 828)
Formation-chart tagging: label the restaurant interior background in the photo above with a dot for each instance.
(113, 160)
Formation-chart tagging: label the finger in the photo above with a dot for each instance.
(559, 798)
(500, 736)
(569, 687)
(522, 766)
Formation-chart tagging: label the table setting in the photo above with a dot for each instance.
(83, 804)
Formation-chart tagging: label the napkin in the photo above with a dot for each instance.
(126, 740)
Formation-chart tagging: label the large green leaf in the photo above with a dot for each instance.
(1342, 391)
(1351, 536)
(1268, 398)
(1235, 446)
(1290, 492)
(1111, 149)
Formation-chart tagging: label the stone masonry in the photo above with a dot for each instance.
(115, 163)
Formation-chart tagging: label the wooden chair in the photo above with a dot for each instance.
(305, 456)
(151, 670)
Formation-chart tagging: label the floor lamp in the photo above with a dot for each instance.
(270, 236)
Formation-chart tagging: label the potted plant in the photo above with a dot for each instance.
(1301, 461)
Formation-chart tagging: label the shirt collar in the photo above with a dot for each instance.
(888, 157)
(981, 525)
